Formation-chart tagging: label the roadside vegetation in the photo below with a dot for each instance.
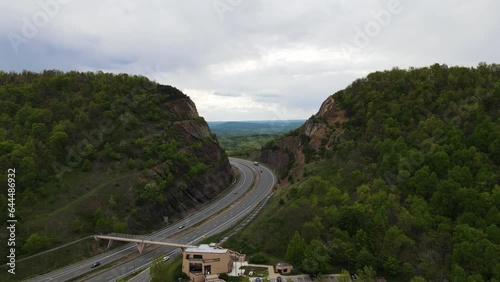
(36, 265)
(167, 270)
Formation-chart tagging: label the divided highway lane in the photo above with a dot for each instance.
(221, 222)
(244, 183)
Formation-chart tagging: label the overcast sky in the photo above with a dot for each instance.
(248, 59)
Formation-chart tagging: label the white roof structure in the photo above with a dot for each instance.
(204, 248)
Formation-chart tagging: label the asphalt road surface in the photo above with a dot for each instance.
(212, 220)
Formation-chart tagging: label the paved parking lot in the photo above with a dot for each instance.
(303, 278)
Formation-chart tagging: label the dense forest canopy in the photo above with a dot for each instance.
(100, 152)
(411, 188)
(44, 113)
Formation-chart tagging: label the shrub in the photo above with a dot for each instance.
(224, 276)
(259, 258)
(87, 165)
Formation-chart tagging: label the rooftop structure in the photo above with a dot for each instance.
(203, 262)
(284, 268)
(206, 249)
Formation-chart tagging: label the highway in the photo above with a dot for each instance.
(207, 221)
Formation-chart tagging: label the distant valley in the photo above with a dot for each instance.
(243, 138)
(254, 127)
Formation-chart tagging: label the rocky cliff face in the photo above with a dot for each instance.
(313, 139)
(207, 150)
(190, 188)
(181, 109)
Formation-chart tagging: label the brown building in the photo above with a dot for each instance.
(205, 261)
(284, 268)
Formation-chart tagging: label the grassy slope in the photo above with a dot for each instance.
(89, 191)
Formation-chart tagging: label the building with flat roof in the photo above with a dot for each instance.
(284, 268)
(205, 261)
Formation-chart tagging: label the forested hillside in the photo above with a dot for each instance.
(402, 176)
(98, 153)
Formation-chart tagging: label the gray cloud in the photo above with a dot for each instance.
(279, 59)
(227, 94)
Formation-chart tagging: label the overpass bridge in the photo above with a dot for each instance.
(140, 241)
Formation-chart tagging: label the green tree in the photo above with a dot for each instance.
(444, 199)
(197, 169)
(131, 163)
(344, 276)
(461, 175)
(58, 138)
(39, 130)
(77, 225)
(158, 270)
(439, 162)
(392, 264)
(475, 278)
(102, 223)
(120, 227)
(3, 202)
(423, 182)
(152, 193)
(36, 242)
(87, 165)
(367, 274)
(364, 258)
(295, 250)
(29, 168)
(469, 242)
(395, 241)
(341, 246)
(457, 273)
(316, 258)
(259, 258)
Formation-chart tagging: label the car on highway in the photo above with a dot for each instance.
(235, 192)
(255, 163)
(165, 258)
(95, 264)
(182, 226)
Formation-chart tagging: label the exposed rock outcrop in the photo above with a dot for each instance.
(189, 190)
(181, 109)
(315, 138)
(193, 130)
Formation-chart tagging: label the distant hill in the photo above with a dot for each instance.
(242, 138)
(254, 127)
